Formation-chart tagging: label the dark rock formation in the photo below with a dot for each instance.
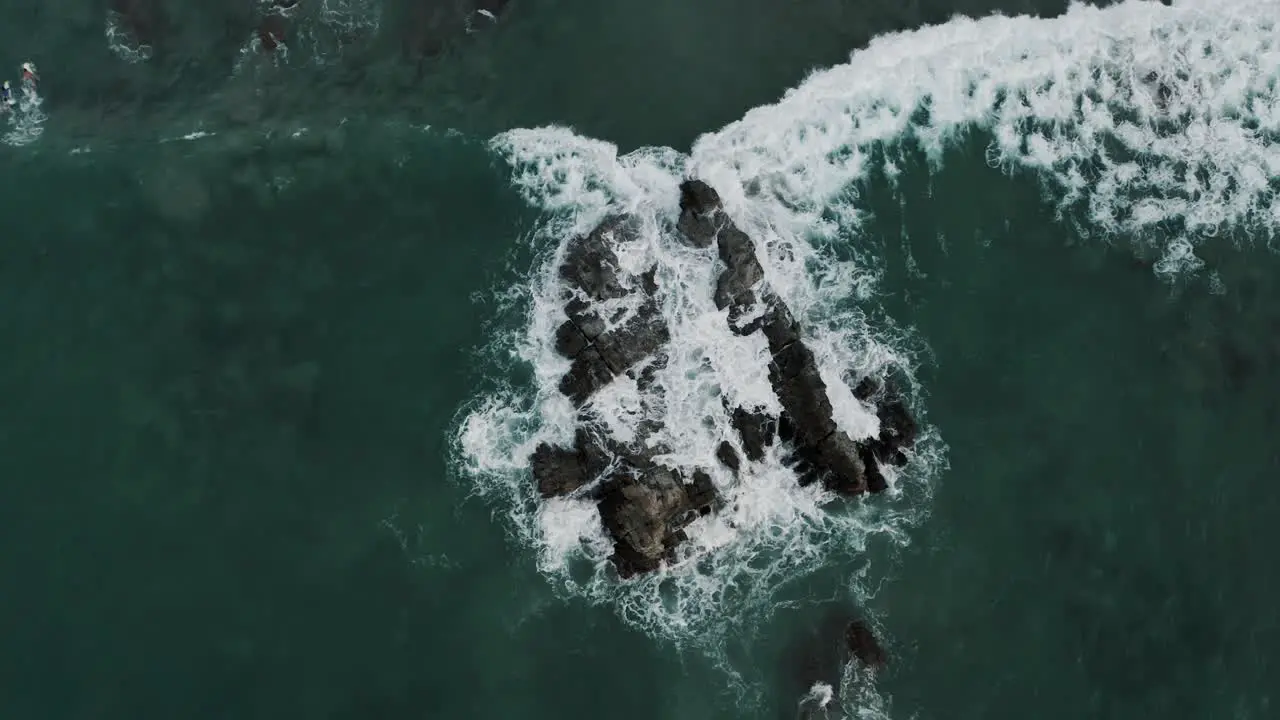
(144, 20)
(590, 263)
(588, 374)
(600, 349)
(735, 288)
(756, 430)
(701, 213)
(614, 326)
(560, 471)
(898, 432)
(728, 456)
(646, 513)
(842, 463)
(703, 497)
(838, 636)
(863, 645)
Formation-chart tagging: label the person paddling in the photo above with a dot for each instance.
(29, 73)
(6, 96)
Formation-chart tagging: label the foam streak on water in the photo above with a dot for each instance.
(1142, 120)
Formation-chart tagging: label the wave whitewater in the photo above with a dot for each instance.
(1152, 123)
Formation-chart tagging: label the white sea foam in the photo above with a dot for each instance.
(1150, 122)
(121, 41)
(25, 118)
(1145, 121)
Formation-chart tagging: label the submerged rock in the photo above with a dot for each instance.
(864, 646)
(816, 656)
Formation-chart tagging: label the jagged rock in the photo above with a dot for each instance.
(646, 374)
(599, 354)
(786, 428)
(898, 432)
(735, 286)
(649, 281)
(590, 263)
(643, 515)
(569, 340)
(867, 388)
(557, 470)
(643, 334)
(802, 393)
(588, 373)
(840, 457)
(756, 430)
(701, 217)
(728, 456)
(585, 318)
(560, 471)
(779, 326)
(864, 646)
(702, 494)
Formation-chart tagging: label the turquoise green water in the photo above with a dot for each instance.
(231, 377)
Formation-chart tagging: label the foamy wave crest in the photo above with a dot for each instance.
(1152, 122)
(771, 530)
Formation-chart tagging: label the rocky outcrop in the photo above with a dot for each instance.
(646, 514)
(844, 465)
(561, 471)
(613, 327)
(605, 343)
(818, 653)
(757, 431)
(863, 645)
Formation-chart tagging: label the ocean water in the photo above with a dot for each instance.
(277, 348)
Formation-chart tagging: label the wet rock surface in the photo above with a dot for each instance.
(614, 328)
(839, 635)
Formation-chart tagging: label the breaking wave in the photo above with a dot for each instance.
(1152, 123)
